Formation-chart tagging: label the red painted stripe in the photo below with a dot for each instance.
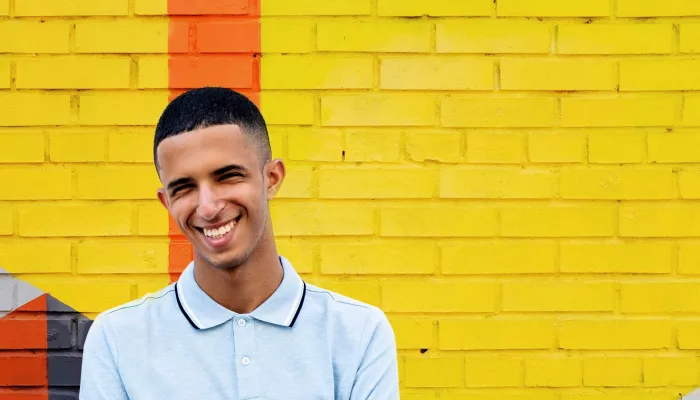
(212, 43)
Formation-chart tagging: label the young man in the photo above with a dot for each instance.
(239, 323)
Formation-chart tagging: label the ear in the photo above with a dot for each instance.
(275, 173)
(163, 197)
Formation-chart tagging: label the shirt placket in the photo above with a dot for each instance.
(247, 359)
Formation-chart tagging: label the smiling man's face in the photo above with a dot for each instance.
(217, 188)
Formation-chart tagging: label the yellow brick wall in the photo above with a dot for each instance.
(514, 182)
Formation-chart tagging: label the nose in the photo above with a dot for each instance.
(209, 204)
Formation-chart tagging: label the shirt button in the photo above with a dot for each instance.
(241, 323)
(245, 360)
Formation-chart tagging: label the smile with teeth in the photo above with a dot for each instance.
(220, 231)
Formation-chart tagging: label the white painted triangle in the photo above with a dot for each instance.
(694, 395)
(14, 293)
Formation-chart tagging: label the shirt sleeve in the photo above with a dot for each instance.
(100, 379)
(377, 377)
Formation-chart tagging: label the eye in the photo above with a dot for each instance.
(179, 189)
(230, 175)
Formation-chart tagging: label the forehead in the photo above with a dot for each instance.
(205, 150)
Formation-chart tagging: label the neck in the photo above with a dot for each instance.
(244, 288)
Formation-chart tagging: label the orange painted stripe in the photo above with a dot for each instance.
(211, 43)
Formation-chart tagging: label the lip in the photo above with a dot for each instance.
(223, 241)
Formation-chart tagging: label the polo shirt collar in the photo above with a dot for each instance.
(202, 312)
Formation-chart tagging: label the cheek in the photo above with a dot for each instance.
(182, 209)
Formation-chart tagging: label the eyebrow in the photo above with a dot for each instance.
(219, 171)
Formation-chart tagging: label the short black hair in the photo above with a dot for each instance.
(210, 106)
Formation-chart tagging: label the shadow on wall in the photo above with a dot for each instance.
(45, 338)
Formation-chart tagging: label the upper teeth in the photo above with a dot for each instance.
(220, 231)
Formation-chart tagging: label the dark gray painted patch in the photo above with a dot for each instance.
(59, 332)
(64, 369)
(84, 325)
(63, 394)
(54, 305)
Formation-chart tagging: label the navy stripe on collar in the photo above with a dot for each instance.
(301, 303)
(177, 297)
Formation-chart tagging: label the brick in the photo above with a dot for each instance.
(558, 296)
(657, 8)
(553, 372)
(278, 112)
(496, 183)
(645, 75)
(317, 7)
(4, 74)
(436, 73)
(630, 394)
(114, 183)
(689, 334)
(558, 74)
(497, 112)
(122, 258)
(671, 371)
(406, 257)
(5, 7)
(18, 109)
(412, 333)
(438, 8)
(232, 71)
(59, 332)
(378, 110)
(207, 7)
(58, 8)
(558, 221)
(612, 371)
(428, 297)
(617, 184)
(689, 258)
(641, 257)
(34, 37)
(690, 184)
(689, 35)
(527, 394)
(152, 219)
(445, 220)
(691, 111)
(21, 257)
(434, 372)
(620, 38)
(121, 36)
(23, 370)
(435, 146)
(23, 334)
(7, 294)
(618, 111)
(622, 334)
(659, 298)
(288, 36)
(312, 219)
(64, 369)
(299, 252)
(84, 326)
(495, 147)
(298, 183)
(496, 334)
(493, 36)
(617, 147)
(151, 285)
(151, 7)
(77, 146)
(75, 220)
(374, 183)
(673, 147)
(364, 291)
(498, 257)
(491, 372)
(246, 32)
(151, 72)
(372, 146)
(43, 183)
(659, 220)
(316, 72)
(136, 108)
(315, 145)
(21, 147)
(6, 220)
(130, 146)
(558, 147)
(95, 296)
(376, 36)
(553, 8)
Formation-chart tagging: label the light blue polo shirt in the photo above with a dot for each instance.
(303, 343)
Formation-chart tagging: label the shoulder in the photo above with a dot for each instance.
(347, 309)
(142, 309)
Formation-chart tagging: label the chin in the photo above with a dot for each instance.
(225, 262)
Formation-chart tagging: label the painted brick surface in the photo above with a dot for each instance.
(514, 183)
